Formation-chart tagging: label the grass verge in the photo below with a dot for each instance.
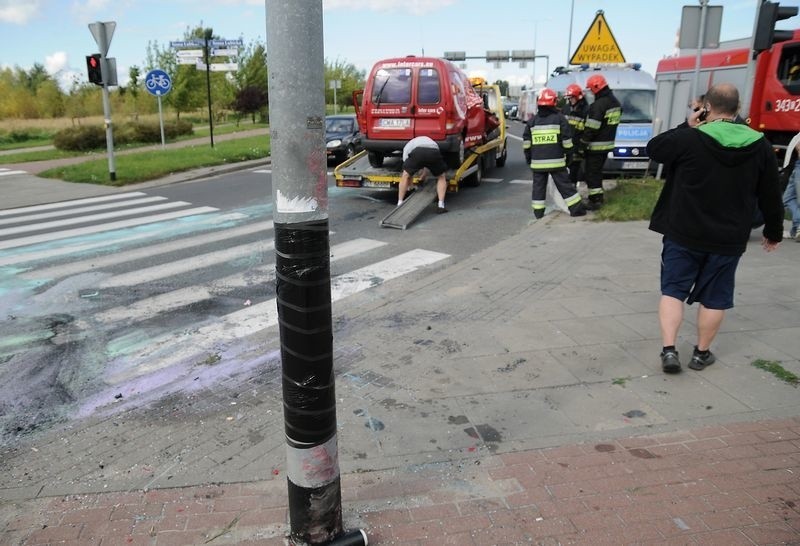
(150, 165)
(632, 199)
(778, 371)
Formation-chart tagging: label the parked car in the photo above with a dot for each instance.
(510, 108)
(342, 136)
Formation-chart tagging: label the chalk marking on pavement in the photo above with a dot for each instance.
(81, 210)
(150, 307)
(265, 315)
(63, 204)
(53, 236)
(77, 247)
(96, 263)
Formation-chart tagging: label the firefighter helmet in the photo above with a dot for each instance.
(547, 97)
(574, 90)
(596, 82)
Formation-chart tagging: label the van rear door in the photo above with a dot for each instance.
(430, 112)
(390, 115)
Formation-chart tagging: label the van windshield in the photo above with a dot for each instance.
(638, 105)
(391, 86)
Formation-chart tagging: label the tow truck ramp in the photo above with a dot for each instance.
(401, 217)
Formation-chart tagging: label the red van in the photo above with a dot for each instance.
(413, 96)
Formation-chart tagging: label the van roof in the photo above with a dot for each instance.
(618, 78)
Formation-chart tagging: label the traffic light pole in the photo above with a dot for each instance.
(747, 92)
(103, 41)
(303, 276)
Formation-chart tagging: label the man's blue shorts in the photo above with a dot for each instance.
(691, 276)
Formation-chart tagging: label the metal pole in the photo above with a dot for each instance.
(701, 38)
(302, 247)
(569, 40)
(112, 170)
(161, 121)
(747, 93)
(334, 95)
(208, 88)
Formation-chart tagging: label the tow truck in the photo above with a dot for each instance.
(357, 172)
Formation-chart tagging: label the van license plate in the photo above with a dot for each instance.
(394, 123)
(634, 164)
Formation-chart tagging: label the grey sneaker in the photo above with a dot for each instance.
(670, 362)
(700, 361)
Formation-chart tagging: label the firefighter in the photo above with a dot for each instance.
(598, 135)
(575, 111)
(547, 143)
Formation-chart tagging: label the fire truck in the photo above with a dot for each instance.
(774, 88)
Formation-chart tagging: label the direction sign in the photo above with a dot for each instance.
(225, 52)
(157, 82)
(186, 60)
(186, 43)
(189, 53)
(598, 45)
(226, 43)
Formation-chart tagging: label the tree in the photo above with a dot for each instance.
(351, 77)
(133, 88)
(503, 85)
(250, 100)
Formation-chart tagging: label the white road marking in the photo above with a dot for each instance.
(62, 204)
(81, 210)
(518, 181)
(91, 218)
(99, 262)
(4, 172)
(265, 315)
(99, 228)
(493, 180)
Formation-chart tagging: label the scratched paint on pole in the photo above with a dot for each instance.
(598, 45)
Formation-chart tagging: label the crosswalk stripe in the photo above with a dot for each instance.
(55, 250)
(53, 236)
(149, 307)
(81, 210)
(186, 265)
(97, 263)
(91, 218)
(7, 173)
(63, 204)
(264, 315)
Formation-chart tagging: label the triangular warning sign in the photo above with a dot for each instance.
(598, 46)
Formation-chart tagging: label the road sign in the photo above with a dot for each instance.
(225, 52)
(226, 43)
(102, 34)
(186, 60)
(157, 82)
(217, 67)
(598, 45)
(690, 27)
(187, 43)
(189, 53)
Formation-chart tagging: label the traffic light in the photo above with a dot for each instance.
(93, 69)
(768, 14)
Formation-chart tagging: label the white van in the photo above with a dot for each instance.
(636, 91)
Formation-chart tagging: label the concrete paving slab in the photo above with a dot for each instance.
(594, 330)
(689, 396)
(600, 363)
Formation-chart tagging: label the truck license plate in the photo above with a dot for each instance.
(634, 164)
(395, 123)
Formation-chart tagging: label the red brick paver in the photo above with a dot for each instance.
(733, 484)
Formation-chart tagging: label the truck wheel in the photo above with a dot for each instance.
(455, 159)
(375, 159)
(500, 161)
(474, 180)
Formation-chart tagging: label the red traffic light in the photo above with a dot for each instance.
(93, 70)
(93, 62)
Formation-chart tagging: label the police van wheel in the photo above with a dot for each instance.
(455, 159)
(474, 180)
(500, 161)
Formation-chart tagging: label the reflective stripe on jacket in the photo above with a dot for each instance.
(546, 140)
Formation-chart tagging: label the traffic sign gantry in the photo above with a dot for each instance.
(598, 45)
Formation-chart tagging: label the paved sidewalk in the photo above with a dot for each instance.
(513, 397)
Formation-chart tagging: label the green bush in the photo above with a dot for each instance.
(81, 139)
(86, 138)
(21, 135)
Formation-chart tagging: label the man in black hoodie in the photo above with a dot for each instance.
(718, 172)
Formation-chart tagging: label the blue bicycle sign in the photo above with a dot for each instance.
(157, 82)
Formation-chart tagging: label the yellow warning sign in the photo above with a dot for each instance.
(599, 45)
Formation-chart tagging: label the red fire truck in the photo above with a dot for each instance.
(774, 88)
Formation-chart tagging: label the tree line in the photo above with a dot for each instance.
(36, 94)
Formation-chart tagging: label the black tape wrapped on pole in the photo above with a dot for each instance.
(300, 212)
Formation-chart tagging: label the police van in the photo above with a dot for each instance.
(636, 91)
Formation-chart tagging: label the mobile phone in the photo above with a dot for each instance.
(703, 115)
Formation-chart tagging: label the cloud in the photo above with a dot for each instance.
(56, 62)
(18, 11)
(89, 9)
(416, 7)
